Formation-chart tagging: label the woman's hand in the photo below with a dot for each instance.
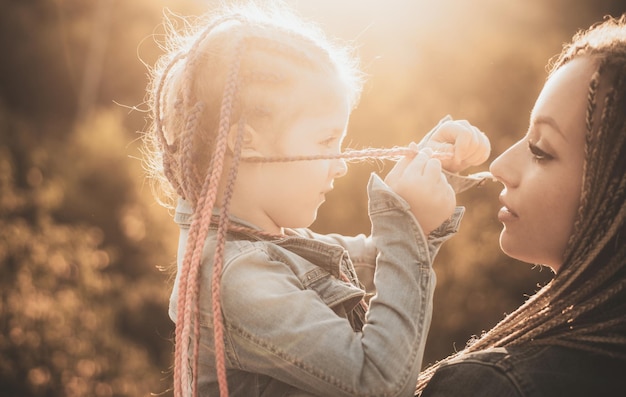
(458, 145)
(418, 179)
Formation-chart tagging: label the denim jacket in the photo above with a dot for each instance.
(529, 371)
(292, 326)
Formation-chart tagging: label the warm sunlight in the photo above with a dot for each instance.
(87, 255)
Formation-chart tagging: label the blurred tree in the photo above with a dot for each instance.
(75, 318)
(83, 309)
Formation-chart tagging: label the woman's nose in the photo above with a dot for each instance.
(504, 167)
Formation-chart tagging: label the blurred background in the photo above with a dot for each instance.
(86, 253)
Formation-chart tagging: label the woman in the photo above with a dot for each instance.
(563, 206)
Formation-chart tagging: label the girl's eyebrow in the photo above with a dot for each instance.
(550, 122)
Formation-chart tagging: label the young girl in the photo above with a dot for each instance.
(564, 206)
(250, 111)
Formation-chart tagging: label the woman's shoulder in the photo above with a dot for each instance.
(531, 371)
(472, 375)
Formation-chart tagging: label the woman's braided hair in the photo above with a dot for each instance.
(584, 306)
(232, 70)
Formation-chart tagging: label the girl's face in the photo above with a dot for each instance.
(288, 194)
(542, 173)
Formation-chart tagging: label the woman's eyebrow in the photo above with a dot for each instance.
(549, 121)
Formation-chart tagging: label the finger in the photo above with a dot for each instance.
(447, 132)
(462, 145)
(465, 124)
(486, 144)
(473, 148)
(443, 150)
(416, 167)
(398, 170)
(432, 170)
(479, 149)
(476, 142)
(427, 151)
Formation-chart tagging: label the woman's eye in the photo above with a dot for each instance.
(537, 153)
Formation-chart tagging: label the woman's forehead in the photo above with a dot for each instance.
(564, 97)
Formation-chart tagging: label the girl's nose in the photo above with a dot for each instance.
(340, 168)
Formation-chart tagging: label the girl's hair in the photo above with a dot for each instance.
(246, 58)
(234, 67)
(584, 306)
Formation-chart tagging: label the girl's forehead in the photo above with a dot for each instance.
(315, 96)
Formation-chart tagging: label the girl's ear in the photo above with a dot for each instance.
(250, 144)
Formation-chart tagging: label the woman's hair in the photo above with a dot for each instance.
(584, 306)
(235, 67)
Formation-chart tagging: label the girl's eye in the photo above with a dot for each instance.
(330, 142)
(537, 153)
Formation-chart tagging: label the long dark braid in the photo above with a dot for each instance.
(584, 306)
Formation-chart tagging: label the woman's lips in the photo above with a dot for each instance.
(505, 214)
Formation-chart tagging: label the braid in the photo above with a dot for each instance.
(190, 179)
(354, 155)
(218, 261)
(205, 207)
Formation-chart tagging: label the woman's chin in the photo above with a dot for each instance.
(512, 248)
(515, 249)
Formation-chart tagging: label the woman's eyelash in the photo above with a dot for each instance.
(537, 153)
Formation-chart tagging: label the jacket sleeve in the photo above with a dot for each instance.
(278, 328)
(363, 251)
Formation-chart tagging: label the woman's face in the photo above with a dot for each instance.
(542, 173)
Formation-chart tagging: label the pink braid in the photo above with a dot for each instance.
(218, 263)
(182, 341)
(230, 92)
(197, 234)
(355, 155)
(188, 298)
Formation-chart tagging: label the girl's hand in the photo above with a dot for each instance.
(458, 145)
(418, 180)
